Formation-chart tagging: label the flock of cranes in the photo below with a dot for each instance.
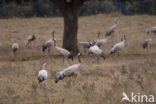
(92, 47)
(67, 72)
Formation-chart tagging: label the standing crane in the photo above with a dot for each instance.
(118, 46)
(63, 52)
(85, 45)
(112, 29)
(48, 43)
(99, 42)
(15, 48)
(30, 39)
(42, 74)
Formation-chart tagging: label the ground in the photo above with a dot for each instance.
(97, 82)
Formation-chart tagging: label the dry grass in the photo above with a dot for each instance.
(97, 82)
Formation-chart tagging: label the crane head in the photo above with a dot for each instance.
(58, 76)
(79, 54)
(115, 20)
(33, 36)
(99, 35)
(124, 37)
(44, 63)
(53, 34)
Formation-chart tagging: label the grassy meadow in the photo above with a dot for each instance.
(97, 82)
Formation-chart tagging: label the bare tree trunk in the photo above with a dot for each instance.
(70, 30)
(70, 10)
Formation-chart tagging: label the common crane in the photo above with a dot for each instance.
(85, 45)
(99, 42)
(63, 51)
(97, 51)
(15, 47)
(48, 43)
(42, 74)
(118, 46)
(67, 72)
(112, 29)
(30, 39)
(147, 43)
(151, 30)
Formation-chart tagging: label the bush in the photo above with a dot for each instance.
(96, 7)
(45, 8)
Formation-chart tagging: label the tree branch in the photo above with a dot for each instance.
(63, 4)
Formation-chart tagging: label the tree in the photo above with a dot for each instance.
(70, 10)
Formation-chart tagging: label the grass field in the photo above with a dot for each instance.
(97, 82)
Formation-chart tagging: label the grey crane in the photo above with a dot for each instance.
(63, 52)
(112, 29)
(147, 43)
(99, 42)
(15, 47)
(42, 74)
(97, 51)
(151, 30)
(69, 71)
(30, 39)
(118, 46)
(85, 45)
(48, 43)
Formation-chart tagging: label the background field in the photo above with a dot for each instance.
(97, 82)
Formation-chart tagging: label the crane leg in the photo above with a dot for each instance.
(148, 47)
(41, 86)
(34, 43)
(85, 50)
(75, 76)
(98, 59)
(49, 51)
(118, 53)
(15, 53)
(27, 45)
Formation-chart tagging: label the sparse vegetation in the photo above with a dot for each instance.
(96, 83)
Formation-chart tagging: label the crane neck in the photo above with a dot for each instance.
(54, 42)
(124, 38)
(124, 41)
(79, 59)
(53, 36)
(43, 67)
(115, 21)
(98, 35)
